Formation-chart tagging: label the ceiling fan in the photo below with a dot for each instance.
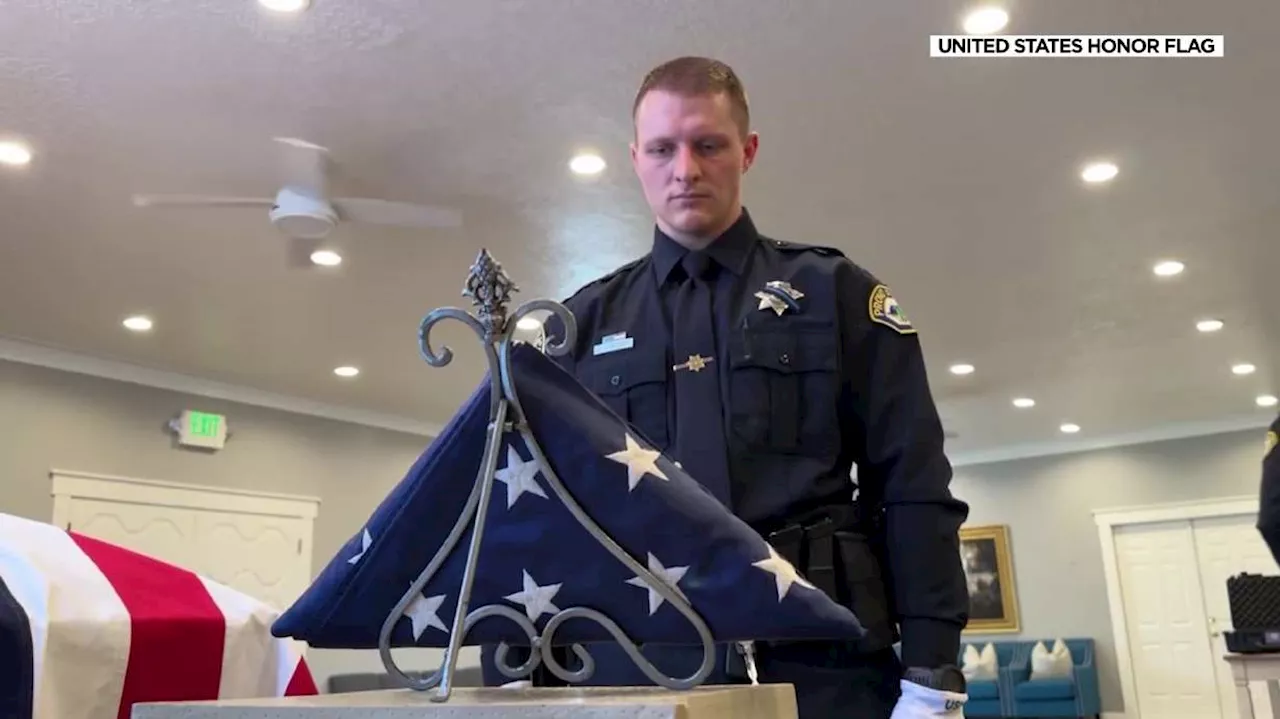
(302, 209)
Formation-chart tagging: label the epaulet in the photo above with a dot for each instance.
(799, 247)
(605, 278)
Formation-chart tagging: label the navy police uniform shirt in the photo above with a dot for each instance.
(768, 369)
(1269, 502)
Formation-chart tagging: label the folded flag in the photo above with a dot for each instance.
(535, 557)
(88, 629)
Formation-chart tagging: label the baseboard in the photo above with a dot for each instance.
(1114, 715)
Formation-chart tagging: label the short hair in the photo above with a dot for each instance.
(693, 76)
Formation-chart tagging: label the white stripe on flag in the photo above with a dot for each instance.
(248, 658)
(86, 651)
(288, 658)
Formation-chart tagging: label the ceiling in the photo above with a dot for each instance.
(955, 180)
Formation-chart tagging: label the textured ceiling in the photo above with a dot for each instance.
(954, 180)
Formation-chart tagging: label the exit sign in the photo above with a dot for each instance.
(201, 429)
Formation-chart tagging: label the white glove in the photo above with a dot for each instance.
(920, 702)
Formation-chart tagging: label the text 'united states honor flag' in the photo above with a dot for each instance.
(88, 629)
(536, 559)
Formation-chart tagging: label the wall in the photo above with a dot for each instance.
(1048, 504)
(50, 418)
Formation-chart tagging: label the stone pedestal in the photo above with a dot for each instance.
(772, 701)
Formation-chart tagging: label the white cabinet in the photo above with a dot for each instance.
(254, 542)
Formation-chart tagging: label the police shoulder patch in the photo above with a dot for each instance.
(1272, 440)
(884, 309)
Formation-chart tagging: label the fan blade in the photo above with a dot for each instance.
(306, 166)
(202, 200)
(385, 212)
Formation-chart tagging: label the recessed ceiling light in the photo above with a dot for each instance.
(1266, 400)
(1024, 403)
(138, 323)
(587, 164)
(326, 258)
(14, 153)
(346, 371)
(1069, 428)
(961, 369)
(529, 323)
(285, 5)
(985, 20)
(1242, 369)
(1209, 325)
(1168, 268)
(1096, 172)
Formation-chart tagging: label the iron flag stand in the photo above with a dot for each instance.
(490, 289)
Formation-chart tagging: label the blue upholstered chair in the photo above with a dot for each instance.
(1074, 696)
(993, 697)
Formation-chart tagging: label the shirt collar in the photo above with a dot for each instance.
(731, 249)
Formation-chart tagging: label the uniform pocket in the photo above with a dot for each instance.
(633, 383)
(784, 387)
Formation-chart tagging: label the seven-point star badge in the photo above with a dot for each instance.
(771, 301)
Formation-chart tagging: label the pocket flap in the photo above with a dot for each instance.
(785, 352)
(615, 373)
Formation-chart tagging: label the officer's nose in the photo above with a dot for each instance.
(687, 169)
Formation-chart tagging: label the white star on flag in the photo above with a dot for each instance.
(423, 613)
(671, 576)
(782, 571)
(519, 476)
(639, 461)
(536, 599)
(365, 542)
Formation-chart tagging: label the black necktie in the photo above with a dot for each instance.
(701, 447)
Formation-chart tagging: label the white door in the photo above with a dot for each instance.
(1165, 616)
(256, 543)
(1227, 546)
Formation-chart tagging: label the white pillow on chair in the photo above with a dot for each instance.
(1053, 663)
(980, 666)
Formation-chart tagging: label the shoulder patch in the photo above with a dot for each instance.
(884, 309)
(1272, 440)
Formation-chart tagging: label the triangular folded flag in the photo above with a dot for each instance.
(535, 557)
(88, 629)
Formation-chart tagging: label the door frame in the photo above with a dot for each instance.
(1110, 520)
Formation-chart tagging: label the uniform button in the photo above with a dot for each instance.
(615, 380)
(785, 358)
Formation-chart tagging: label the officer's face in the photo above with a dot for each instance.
(690, 156)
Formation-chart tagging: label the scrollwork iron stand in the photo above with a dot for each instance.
(490, 290)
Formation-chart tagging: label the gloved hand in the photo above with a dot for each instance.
(919, 702)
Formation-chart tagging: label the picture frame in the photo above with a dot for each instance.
(988, 569)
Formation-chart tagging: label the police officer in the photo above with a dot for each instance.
(769, 369)
(1269, 502)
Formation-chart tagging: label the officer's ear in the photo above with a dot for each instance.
(749, 149)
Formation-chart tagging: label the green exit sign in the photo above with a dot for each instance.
(202, 429)
(204, 424)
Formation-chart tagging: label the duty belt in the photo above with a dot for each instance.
(811, 545)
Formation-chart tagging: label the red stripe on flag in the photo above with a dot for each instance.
(301, 683)
(175, 649)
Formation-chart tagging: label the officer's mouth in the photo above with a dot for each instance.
(690, 198)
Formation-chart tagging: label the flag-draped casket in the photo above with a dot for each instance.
(88, 628)
(537, 560)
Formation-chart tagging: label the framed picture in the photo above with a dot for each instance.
(988, 571)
